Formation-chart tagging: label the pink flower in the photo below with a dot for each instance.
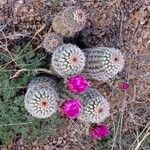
(100, 132)
(77, 84)
(71, 108)
(124, 86)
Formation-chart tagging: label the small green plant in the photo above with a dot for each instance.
(14, 118)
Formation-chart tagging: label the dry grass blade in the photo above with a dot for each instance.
(17, 74)
(16, 124)
(147, 128)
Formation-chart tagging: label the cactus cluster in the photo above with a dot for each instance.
(103, 63)
(68, 60)
(41, 97)
(69, 21)
(73, 92)
(52, 41)
(96, 108)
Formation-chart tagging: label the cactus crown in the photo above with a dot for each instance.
(68, 60)
(103, 63)
(96, 107)
(69, 21)
(52, 41)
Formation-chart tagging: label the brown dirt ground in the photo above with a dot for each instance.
(122, 24)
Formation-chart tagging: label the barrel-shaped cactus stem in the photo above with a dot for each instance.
(68, 60)
(96, 108)
(103, 63)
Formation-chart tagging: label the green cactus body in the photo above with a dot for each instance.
(68, 60)
(103, 63)
(65, 94)
(52, 41)
(41, 97)
(69, 21)
(96, 108)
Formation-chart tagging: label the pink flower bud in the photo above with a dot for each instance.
(124, 86)
(71, 108)
(100, 132)
(77, 84)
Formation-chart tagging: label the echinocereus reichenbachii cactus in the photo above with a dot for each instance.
(96, 108)
(52, 41)
(69, 21)
(73, 87)
(103, 63)
(41, 98)
(68, 60)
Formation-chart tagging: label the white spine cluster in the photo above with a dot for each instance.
(68, 60)
(96, 107)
